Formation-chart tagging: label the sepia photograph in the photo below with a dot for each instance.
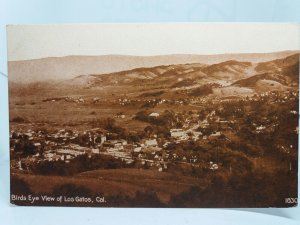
(159, 115)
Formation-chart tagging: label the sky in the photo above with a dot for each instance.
(39, 41)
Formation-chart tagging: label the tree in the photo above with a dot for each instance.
(148, 130)
(109, 124)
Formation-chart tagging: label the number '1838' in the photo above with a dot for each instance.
(291, 200)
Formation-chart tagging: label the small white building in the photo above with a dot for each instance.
(154, 114)
(95, 150)
(137, 149)
(213, 166)
(150, 142)
(260, 128)
(216, 134)
(176, 133)
(166, 144)
(102, 139)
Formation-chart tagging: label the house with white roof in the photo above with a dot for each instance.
(154, 114)
(151, 142)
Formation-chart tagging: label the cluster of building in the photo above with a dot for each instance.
(65, 146)
(66, 99)
(153, 101)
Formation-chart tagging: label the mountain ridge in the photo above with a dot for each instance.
(225, 78)
(67, 67)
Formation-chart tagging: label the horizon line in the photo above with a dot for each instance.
(173, 54)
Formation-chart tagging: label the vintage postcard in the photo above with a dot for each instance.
(154, 115)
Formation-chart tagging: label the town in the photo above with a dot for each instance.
(199, 138)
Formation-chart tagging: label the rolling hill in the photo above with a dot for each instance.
(232, 72)
(284, 71)
(68, 67)
(230, 77)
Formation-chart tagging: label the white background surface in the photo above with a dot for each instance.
(67, 11)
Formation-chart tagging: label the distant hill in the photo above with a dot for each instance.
(284, 71)
(229, 78)
(232, 72)
(68, 67)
